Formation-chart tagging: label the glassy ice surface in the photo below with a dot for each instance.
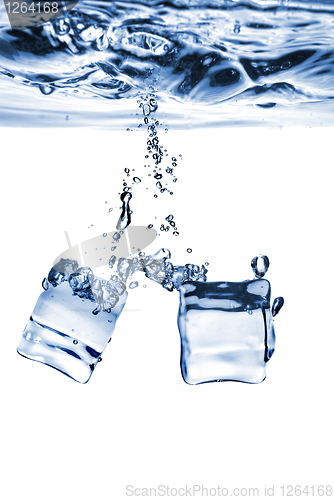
(63, 333)
(226, 331)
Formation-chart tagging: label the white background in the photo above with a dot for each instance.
(240, 192)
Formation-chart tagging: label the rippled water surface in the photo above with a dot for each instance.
(218, 63)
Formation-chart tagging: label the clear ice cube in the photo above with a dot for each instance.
(63, 333)
(226, 331)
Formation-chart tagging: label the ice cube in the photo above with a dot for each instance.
(64, 334)
(226, 331)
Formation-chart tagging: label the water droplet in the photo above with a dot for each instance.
(126, 170)
(206, 263)
(277, 306)
(104, 235)
(260, 265)
(169, 218)
(110, 209)
(136, 180)
(176, 233)
(189, 250)
(75, 342)
(133, 284)
(150, 226)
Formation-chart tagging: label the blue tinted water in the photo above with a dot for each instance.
(124, 65)
(211, 62)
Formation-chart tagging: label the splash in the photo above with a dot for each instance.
(219, 62)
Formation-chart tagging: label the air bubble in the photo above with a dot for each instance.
(146, 109)
(189, 250)
(133, 284)
(45, 284)
(277, 306)
(61, 26)
(112, 261)
(260, 265)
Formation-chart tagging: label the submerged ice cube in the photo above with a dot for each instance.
(63, 333)
(226, 331)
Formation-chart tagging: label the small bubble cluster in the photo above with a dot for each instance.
(106, 293)
(160, 170)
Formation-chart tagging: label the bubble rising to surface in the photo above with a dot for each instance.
(260, 265)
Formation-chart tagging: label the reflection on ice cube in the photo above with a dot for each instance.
(63, 333)
(226, 331)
